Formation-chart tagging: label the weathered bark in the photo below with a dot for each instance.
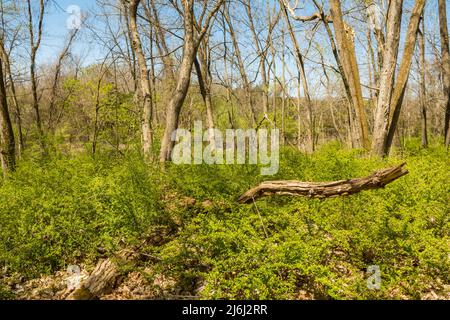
(445, 52)
(144, 81)
(376, 24)
(7, 143)
(423, 92)
(326, 20)
(390, 53)
(346, 48)
(107, 274)
(314, 16)
(403, 73)
(103, 279)
(322, 190)
(131, 57)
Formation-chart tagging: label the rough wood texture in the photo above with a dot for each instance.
(107, 274)
(377, 179)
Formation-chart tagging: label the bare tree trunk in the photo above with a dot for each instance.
(153, 77)
(285, 92)
(205, 62)
(190, 47)
(147, 112)
(227, 80)
(262, 56)
(445, 67)
(326, 20)
(35, 44)
(7, 143)
(423, 93)
(390, 53)
(347, 53)
(379, 36)
(303, 80)
(403, 73)
(168, 82)
(246, 82)
(184, 78)
(204, 82)
(4, 55)
(52, 104)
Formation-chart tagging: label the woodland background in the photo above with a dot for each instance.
(86, 118)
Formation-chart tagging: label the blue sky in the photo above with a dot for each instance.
(56, 31)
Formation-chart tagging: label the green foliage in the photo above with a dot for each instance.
(61, 211)
(293, 248)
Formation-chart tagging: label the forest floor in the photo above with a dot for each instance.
(76, 211)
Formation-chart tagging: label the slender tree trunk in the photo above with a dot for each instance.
(175, 104)
(153, 78)
(168, 82)
(227, 79)
(445, 67)
(34, 48)
(262, 56)
(423, 94)
(246, 82)
(147, 112)
(52, 105)
(299, 117)
(283, 79)
(204, 82)
(7, 143)
(205, 61)
(304, 82)
(18, 116)
(377, 28)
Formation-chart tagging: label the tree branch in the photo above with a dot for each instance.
(320, 190)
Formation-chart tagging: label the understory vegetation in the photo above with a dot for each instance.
(76, 209)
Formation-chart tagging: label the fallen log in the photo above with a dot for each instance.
(320, 190)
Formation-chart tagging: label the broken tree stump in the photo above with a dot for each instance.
(378, 179)
(107, 274)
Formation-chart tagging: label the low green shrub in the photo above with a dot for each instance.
(61, 211)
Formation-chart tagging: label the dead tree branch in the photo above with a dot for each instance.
(378, 179)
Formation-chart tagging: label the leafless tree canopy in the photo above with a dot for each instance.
(121, 73)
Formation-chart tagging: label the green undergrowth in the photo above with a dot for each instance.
(64, 210)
